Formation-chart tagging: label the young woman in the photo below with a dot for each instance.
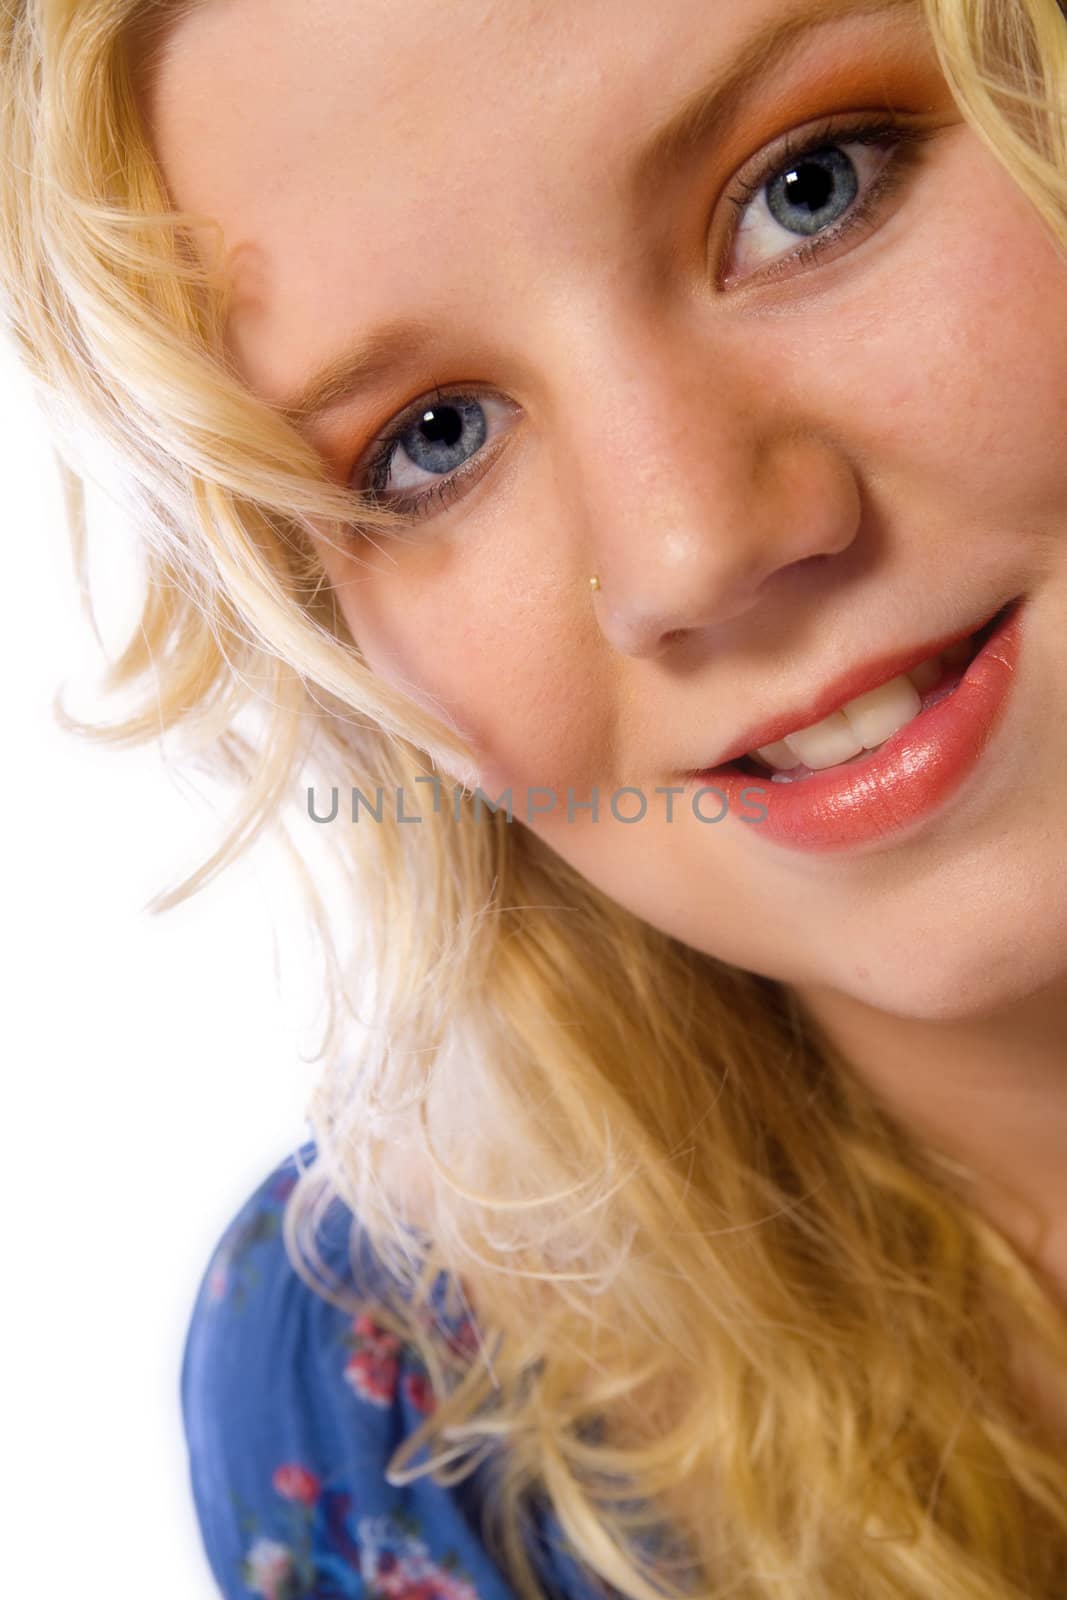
(651, 423)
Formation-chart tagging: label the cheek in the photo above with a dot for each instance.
(971, 367)
(503, 654)
(695, 880)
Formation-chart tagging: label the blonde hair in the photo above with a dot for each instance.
(744, 1292)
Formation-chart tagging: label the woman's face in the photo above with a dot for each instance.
(779, 465)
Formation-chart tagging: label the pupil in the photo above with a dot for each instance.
(442, 425)
(815, 192)
(812, 193)
(445, 436)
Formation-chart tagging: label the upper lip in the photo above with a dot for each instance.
(846, 686)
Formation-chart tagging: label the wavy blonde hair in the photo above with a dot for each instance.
(748, 1298)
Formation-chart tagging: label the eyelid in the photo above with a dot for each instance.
(401, 420)
(379, 450)
(873, 125)
(753, 173)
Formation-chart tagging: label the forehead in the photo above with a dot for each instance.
(367, 160)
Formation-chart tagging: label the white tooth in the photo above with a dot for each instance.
(825, 743)
(926, 674)
(863, 724)
(778, 755)
(880, 712)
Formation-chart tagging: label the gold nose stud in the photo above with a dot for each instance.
(594, 584)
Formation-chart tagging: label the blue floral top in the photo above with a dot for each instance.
(292, 1409)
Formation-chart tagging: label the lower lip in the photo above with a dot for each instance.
(903, 782)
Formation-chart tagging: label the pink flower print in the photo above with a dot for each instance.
(465, 1337)
(372, 1368)
(294, 1482)
(373, 1379)
(458, 1333)
(267, 1568)
(418, 1390)
(398, 1565)
(366, 1327)
(217, 1281)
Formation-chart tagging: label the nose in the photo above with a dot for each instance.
(698, 489)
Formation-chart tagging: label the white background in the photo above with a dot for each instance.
(151, 1078)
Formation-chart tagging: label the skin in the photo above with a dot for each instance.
(773, 479)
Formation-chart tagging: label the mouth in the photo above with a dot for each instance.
(856, 728)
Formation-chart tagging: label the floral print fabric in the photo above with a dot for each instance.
(292, 1408)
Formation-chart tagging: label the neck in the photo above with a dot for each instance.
(989, 1091)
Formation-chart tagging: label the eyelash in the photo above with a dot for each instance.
(417, 504)
(902, 140)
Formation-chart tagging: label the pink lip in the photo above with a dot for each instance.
(845, 687)
(906, 779)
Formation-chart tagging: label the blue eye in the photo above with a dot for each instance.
(444, 435)
(810, 186)
(813, 192)
(439, 437)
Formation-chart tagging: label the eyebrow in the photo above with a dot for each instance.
(708, 109)
(713, 105)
